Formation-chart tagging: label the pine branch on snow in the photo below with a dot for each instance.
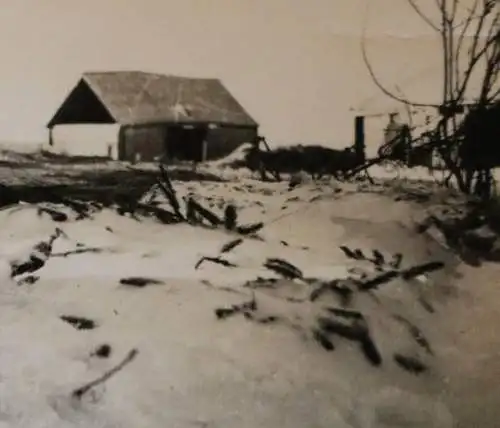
(226, 248)
(283, 268)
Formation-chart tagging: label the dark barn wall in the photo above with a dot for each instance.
(223, 140)
(147, 141)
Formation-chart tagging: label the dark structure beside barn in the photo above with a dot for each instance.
(158, 116)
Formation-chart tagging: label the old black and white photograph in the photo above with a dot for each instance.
(252, 213)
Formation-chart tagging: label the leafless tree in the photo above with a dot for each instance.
(469, 33)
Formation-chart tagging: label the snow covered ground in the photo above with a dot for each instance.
(194, 370)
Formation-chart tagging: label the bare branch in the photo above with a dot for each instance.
(408, 109)
(473, 62)
(466, 24)
(378, 83)
(454, 8)
(78, 393)
(425, 18)
(477, 35)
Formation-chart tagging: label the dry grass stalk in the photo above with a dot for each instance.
(217, 260)
(244, 308)
(78, 393)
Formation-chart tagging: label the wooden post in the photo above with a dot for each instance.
(204, 150)
(51, 138)
(359, 138)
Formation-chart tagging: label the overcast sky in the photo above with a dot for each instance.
(295, 65)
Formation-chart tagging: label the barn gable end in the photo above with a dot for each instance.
(81, 106)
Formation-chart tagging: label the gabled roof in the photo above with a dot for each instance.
(136, 97)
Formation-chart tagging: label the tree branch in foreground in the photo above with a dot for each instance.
(78, 393)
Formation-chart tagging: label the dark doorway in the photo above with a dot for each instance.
(185, 143)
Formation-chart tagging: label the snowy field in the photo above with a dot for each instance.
(433, 360)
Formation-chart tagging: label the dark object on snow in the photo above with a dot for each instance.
(78, 322)
(421, 269)
(102, 351)
(355, 254)
(358, 254)
(78, 251)
(208, 215)
(396, 261)
(415, 333)
(357, 331)
(166, 186)
(55, 215)
(343, 291)
(223, 313)
(323, 339)
(338, 287)
(370, 350)
(37, 259)
(345, 313)
(80, 207)
(230, 217)
(217, 260)
(29, 279)
(191, 215)
(269, 319)
(249, 229)
(139, 281)
(378, 258)
(319, 291)
(352, 331)
(164, 216)
(410, 364)
(260, 282)
(231, 245)
(78, 393)
(348, 252)
(283, 268)
(32, 265)
(374, 283)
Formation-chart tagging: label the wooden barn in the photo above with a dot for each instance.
(139, 116)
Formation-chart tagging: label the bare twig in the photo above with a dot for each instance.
(217, 260)
(78, 393)
(424, 17)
